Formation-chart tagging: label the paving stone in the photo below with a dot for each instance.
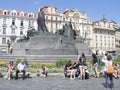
(55, 83)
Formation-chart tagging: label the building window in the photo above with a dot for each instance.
(96, 45)
(105, 45)
(100, 38)
(13, 21)
(101, 45)
(13, 13)
(51, 18)
(109, 45)
(5, 13)
(105, 38)
(56, 25)
(46, 17)
(108, 38)
(96, 38)
(21, 23)
(63, 19)
(13, 31)
(4, 20)
(22, 14)
(30, 23)
(30, 15)
(56, 18)
(3, 40)
(21, 31)
(51, 25)
(4, 30)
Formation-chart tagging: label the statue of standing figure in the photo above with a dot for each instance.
(41, 22)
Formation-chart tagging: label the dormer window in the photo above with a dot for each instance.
(13, 13)
(30, 15)
(5, 12)
(22, 14)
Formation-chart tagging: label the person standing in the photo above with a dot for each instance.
(108, 63)
(95, 65)
(82, 66)
(21, 68)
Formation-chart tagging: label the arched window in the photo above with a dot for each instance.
(22, 14)
(5, 12)
(14, 13)
(76, 17)
(30, 15)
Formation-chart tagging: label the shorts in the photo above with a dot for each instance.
(82, 66)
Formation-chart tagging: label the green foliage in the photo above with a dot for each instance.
(48, 65)
(56, 70)
(117, 60)
(101, 63)
(32, 70)
(33, 65)
(62, 62)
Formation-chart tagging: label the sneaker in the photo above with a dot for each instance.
(71, 78)
(9, 78)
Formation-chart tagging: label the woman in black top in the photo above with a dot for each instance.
(95, 65)
(82, 66)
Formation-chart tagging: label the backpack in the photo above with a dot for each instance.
(110, 69)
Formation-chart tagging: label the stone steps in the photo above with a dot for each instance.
(40, 58)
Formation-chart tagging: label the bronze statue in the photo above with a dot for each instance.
(41, 22)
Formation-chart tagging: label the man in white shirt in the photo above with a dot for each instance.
(21, 68)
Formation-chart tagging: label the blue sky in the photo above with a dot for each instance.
(95, 9)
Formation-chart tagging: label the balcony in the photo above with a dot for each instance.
(106, 28)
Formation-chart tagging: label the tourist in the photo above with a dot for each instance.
(83, 66)
(95, 65)
(44, 71)
(108, 62)
(11, 69)
(116, 67)
(21, 69)
(69, 70)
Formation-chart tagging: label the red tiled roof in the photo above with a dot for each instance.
(1, 11)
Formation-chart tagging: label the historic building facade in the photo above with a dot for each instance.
(80, 22)
(104, 36)
(13, 25)
(117, 40)
(99, 35)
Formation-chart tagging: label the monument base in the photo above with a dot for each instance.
(46, 45)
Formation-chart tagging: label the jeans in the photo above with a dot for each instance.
(110, 76)
(23, 76)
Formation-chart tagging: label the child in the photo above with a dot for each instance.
(44, 71)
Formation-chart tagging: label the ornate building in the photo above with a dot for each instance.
(117, 40)
(13, 25)
(99, 35)
(80, 22)
(104, 36)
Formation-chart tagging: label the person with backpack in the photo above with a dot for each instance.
(109, 70)
(95, 65)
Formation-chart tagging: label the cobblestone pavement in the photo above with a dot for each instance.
(55, 83)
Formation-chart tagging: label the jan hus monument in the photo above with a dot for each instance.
(43, 42)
